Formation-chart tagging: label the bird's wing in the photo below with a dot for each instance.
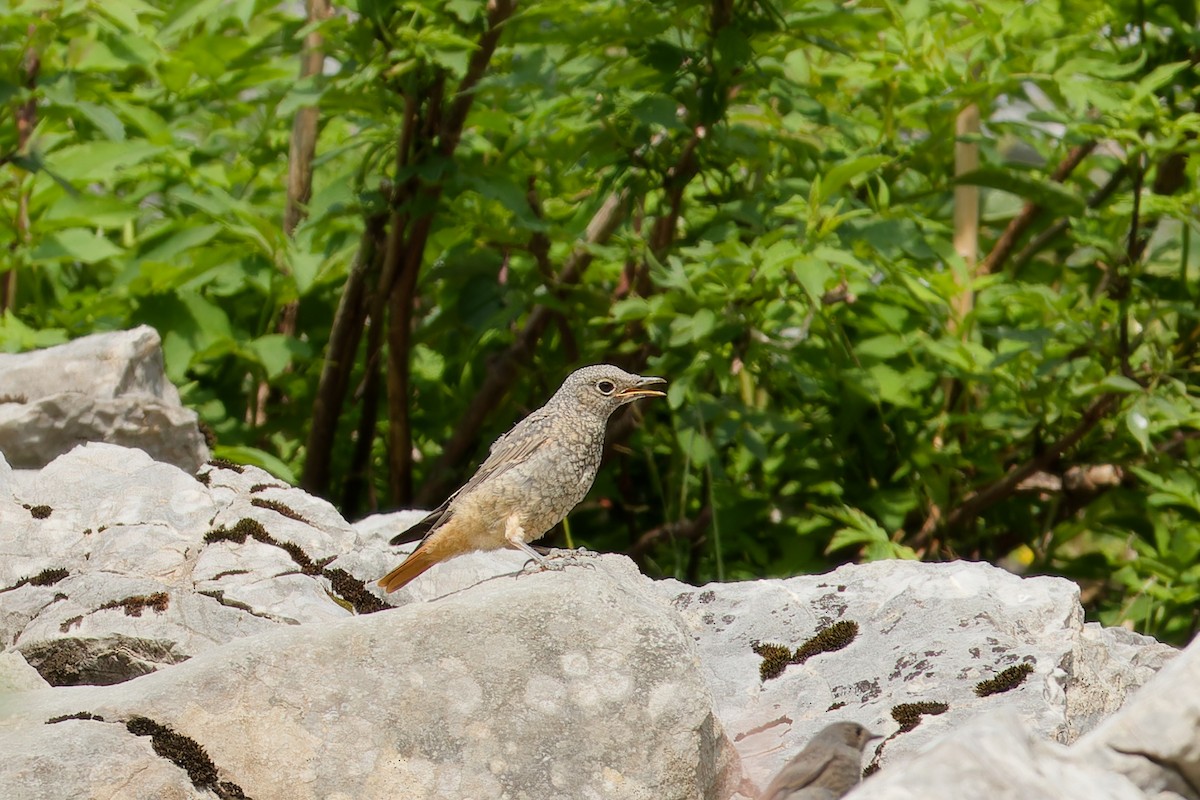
(430, 521)
(523, 440)
(514, 447)
(797, 774)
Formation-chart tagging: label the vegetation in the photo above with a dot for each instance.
(922, 274)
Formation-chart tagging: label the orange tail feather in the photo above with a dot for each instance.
(417, 562)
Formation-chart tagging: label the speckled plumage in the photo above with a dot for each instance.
(828, 768)
(533, 476)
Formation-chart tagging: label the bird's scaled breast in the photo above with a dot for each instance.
(544, 488)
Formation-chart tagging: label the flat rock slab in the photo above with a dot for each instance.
(917, 644)
(113, 564)
(579, 684)
(1148, 749)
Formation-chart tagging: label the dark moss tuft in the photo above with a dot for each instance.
(1007, 680)
(40, 512)
(205, 477)
(252, 528)
(67, 624)
(870, 769)
(775, 658)
(836, 706)
(835, 637)
(262, 487)
(244, 527)
(299, 556)
(77, 715)
(222, 463)
(181, 751)
(228, 790)
(159, 601)
(48, 577)
(224, 535)
(351, 589)
(909, 714)
(210, 436)
(15, 399)
(278, 508)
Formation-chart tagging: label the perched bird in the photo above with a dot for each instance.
(534, 475)
(828, 768)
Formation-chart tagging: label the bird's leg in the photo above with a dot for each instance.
(514, 534)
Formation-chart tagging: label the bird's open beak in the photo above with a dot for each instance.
(639, 389)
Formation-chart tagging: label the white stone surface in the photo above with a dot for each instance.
(926, 633)
(486, 682)
(107, 387)
(580, 684)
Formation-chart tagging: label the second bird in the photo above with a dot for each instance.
(535, 474)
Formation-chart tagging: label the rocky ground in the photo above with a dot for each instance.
(211, 632)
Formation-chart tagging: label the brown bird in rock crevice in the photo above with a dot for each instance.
(534, 475)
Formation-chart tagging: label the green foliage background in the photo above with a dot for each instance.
(778, 186)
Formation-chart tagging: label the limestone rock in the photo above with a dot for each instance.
(116, 564)
(107, 387)
(1149, 749)
(234, 618)
(1106, 667)
(16, 675)
(919, 639)
(995, 756)
(87, 758)
(577, 684)
(1154, 740)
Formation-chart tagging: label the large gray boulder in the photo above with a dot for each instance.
(1148, 749)
(107, 387)
(230, 622)
(577, 685)
(116, 564)
(919, 641)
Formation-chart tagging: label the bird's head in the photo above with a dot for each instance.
(850, 733)
(603, 388)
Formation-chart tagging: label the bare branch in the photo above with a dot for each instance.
(984, 499)
(685, 529)
(1022, 221)
(344, 336)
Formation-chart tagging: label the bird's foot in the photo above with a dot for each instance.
(558, 560)
(569, 554)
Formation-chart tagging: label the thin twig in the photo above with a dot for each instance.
(684, 529)
(984, 499)
(1044, 238)
(1020, 223)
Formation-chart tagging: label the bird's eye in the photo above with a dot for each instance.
(605, 387)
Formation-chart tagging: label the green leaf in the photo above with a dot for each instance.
(814, 275)
(104, 119)
(100, 161)
(242, 454)
(695, 446)
(860, 529)
(75, 244)
(275, 352)
(1138, 426)
(1055, 197)
(833, 181)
